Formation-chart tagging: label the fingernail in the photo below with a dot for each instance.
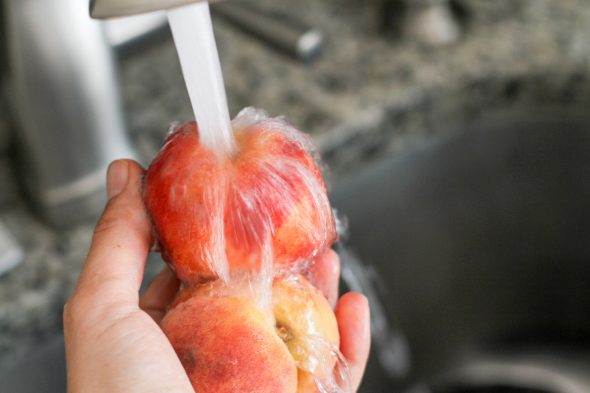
(117, 177)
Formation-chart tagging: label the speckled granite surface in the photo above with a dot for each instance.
(368, 95)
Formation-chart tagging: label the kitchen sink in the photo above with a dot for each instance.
(475, 249)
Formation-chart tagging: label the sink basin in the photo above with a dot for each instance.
(478, 245)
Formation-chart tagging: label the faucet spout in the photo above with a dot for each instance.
(102, 9)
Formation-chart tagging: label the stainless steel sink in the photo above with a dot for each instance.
(479, 248)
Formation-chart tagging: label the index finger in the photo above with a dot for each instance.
(324, 274)
(354, 325)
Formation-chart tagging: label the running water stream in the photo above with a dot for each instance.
(195, 43)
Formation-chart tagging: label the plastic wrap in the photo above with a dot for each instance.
(211, 211)
(245, 226)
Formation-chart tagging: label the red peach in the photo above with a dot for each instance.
(265, 202)
(228, 344)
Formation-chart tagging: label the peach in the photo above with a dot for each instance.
(266, 202)
(228, 343)
(307, 325)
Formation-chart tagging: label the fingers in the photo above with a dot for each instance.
(160, 293)
(116, 260)
(352, 313)
(324, 275)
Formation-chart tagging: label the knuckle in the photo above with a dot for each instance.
(85, 309)
(107, 222)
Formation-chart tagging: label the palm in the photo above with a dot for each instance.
(126, 352)
(137, 345)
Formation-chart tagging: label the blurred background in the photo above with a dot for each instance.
(456, 137)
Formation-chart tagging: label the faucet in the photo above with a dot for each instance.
(289, 35)
(102, 9)
(63, 91)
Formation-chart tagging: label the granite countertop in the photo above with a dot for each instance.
(370, 94)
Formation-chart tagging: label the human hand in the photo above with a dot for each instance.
(113, 339)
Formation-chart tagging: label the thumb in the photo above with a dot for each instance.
(121, 240)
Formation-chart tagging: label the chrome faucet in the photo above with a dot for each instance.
(63, 90)
(286, 34)
(112, 8)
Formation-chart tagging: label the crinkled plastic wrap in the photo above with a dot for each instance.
(263, 209)
(254, 221)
